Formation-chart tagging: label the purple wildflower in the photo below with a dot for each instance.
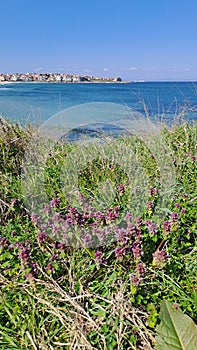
(41, 237)
(119, 252)
(137, 249)
(128, 217)
(138, 234)
(152, 227)
(33, 273)
(179, 240)
(61, 247)
(187, 232)
(13, 233)
(53, 257)
(99, 259)
(55, 228)
(98, 255)
(112, 214)
(175, 305)
(24, 254)
(99, 215)
(50, 268)
(55, 202)
(183, 211)
(166, 227)
(29, 276)
(80, 196)
(174, 220)
(131, 230)
(74, 217)
(14, 201)
(100, 233)
(140, 269)
(149, 204)
(138, 221)
(47, 209)
(87, 238)
(174, 216)
(136, 279)
(121, 235)
(121, 189)
(159, 258)
(56, 217)
(34, 219)
(185, 195)
(34, 267)
(153, 191)
(3, 242)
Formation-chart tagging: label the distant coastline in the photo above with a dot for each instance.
(55, 78)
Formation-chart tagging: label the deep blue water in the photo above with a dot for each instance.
(37, 102)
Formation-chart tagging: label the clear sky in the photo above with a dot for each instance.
(134, 39)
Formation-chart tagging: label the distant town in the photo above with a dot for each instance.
(55, 78)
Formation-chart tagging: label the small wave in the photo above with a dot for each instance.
(2, 89)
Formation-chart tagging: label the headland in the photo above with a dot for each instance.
(55, 78)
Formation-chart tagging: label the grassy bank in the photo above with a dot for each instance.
(101, 287)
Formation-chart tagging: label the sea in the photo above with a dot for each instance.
(36, 103)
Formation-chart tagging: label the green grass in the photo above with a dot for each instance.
(101, 295)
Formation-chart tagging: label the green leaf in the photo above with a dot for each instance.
(176, 330)
(99, 312)
(152, 318)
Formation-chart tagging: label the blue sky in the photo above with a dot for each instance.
(134, 39)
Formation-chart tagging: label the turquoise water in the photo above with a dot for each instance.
(37, 102)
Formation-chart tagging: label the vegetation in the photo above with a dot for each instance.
(90, 268)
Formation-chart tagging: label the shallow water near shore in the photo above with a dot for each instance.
(37, 102)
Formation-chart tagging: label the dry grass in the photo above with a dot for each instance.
(72, 314)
